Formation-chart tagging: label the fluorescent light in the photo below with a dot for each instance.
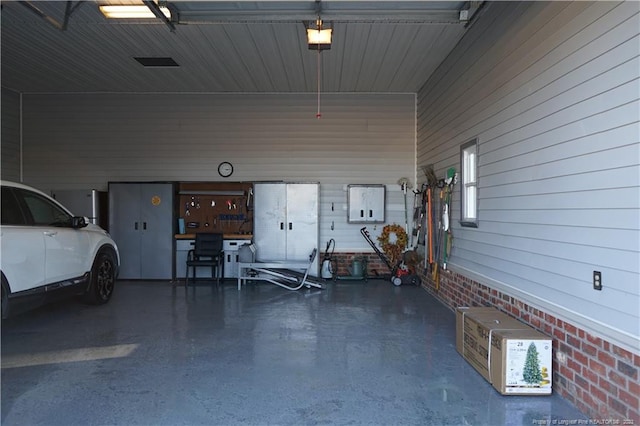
(131, 11)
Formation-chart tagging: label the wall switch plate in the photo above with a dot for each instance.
(597, 280)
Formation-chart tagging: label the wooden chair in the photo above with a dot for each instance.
(207, 251)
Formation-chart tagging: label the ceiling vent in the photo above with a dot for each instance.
(155, 62)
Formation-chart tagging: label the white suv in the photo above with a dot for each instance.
(47, 252)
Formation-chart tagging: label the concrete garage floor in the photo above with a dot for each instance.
(355, 353)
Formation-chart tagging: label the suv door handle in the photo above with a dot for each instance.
(50, 233)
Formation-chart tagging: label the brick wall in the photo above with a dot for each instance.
(342, 261)
(598, 377)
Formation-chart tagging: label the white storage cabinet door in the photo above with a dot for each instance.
(366, 203)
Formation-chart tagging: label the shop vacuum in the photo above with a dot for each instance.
(327, 269)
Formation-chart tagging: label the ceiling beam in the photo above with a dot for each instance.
(69, 9)
(346, 16)
(153, 6)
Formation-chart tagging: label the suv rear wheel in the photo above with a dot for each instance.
(103, 279)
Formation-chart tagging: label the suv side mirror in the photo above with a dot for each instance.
(78, 222)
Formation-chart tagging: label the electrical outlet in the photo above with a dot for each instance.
(597, 280)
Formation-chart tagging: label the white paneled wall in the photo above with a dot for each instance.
(87, 140)
(551, 90)
(10, 140)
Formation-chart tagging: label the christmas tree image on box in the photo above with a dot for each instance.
(531, 372)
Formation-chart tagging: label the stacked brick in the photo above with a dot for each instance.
(375, 265)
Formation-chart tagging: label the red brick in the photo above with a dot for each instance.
(608, 386)
(617, 405)
(618, 379)
(550, 319)
(628, 370)
(634, 387)
(570, 329)
(535, 323)
(603, 412)
(629, 399)
(589, 401)
(589, 374)
(636, 360)
(581, 334)
(590, 350)
(566, 349)
(575, 366)
(559, 334)
(573, 341)
(595, 340)
(597, 368)
(596, 392)
(623, 353)
(581, 358)
(566, 372)
(607, 359)
(633, 417)
(582, 382)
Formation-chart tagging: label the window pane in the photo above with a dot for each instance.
(469, 165)
(470, 211)
(44, 212)
(468, 193)
(11, 214)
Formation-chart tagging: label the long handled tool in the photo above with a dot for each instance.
(450, 181)
(380, 254)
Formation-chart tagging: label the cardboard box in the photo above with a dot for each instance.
(513, 357)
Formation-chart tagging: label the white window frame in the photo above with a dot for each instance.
(469, 184)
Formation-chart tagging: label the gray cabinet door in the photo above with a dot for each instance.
(141, 223)
(124, 226)
(156, 236)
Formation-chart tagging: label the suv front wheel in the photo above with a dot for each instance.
(103, 279)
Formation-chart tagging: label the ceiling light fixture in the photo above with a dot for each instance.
(319, 39)
(319, 35)
(131, 11)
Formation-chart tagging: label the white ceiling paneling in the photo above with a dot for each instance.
(221, 46)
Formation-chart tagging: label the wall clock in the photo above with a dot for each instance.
(225, 169)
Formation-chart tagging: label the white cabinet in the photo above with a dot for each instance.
(366, 203)
(182, 250)
(230, 248)
(286, 222)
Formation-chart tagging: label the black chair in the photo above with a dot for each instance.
(207, 251)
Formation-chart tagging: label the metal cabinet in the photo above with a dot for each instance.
(366, 203)
(141, 223)
(286, 222)
(231, 257)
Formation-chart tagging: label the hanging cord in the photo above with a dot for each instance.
(318, 114)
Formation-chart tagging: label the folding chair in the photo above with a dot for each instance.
(207, 251)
